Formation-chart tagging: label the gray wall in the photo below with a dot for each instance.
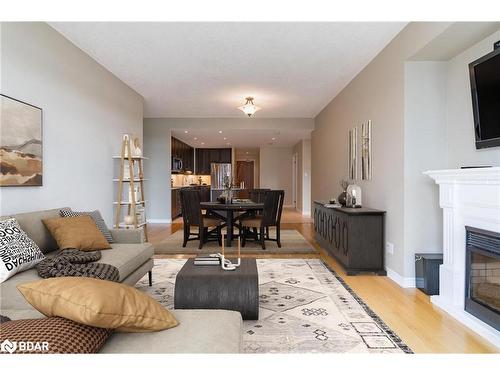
(424, 149)
(86, 110)
(460, 131)
(303, 151)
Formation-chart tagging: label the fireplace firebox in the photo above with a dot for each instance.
(482, 278)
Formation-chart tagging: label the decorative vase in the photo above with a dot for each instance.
(128, 219)
(342, 198)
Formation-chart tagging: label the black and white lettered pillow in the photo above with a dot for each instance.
(18, 252)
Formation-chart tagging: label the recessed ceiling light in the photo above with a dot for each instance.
(273, 138)
(247, 152)
(220, 131)
(185, 131)
(225, 138)
(202, 143)
(195, 138)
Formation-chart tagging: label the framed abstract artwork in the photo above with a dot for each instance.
(352, 154)
(21, 156)
(366, 150)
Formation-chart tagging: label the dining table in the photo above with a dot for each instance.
(233, 212)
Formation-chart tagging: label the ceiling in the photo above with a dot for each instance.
(241, 138)
(207, 69)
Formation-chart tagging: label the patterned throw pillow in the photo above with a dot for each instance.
(54, 335)
(18, 252)
(96, 216)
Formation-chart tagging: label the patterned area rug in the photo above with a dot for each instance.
(304, 308)
(291, 242)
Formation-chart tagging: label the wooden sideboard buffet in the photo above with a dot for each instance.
(353, 236)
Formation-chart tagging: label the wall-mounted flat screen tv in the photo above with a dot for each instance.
(485, 85)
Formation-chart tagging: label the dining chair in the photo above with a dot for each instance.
(257, 195)
(193, 217)
(270, 217)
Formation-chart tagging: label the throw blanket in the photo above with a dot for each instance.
(72, 262)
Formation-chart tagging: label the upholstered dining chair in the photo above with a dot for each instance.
(209, 228)
(270, 217)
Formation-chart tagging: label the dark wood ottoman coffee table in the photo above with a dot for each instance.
(210, 287)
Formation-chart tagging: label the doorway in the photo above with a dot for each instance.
(245, 170)
(295, 174)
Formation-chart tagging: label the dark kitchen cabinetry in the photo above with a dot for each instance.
(185, 152)
(176, 203)
(353, 236)
(206, 156)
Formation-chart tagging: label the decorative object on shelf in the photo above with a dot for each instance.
(353, 196)
(352, 153)
(20, 143)
(128, 219)
(366, 150)
(136, 149)
(135, 215)
(342, 198)
(249, 108)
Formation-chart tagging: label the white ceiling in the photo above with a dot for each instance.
(207, 69)
(241, 138)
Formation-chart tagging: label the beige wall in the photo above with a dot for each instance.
(422, 119)
(377, 93)
(86, 109)
(276, 170)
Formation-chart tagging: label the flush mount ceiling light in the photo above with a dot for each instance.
(249, 108)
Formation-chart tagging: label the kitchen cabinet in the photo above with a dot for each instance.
(176, 203)
(206, 156)
(353, 236)
(184, 152)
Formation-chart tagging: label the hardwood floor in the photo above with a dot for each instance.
(409, 312)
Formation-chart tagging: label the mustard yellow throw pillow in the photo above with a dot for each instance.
(98, 303)
(79, 232)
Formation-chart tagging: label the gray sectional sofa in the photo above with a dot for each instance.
(199, 331)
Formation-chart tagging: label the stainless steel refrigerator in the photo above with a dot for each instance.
(218, 172)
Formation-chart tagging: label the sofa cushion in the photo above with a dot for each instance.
(31, 223)
(98, 303)
(55, 335)
(199, 331)
(98, 220)
(18, 252)
(10, 298)
(127, 257)
(79, 232)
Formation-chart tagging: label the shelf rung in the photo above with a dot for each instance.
(129, 203)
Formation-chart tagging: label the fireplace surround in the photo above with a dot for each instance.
(469, 198)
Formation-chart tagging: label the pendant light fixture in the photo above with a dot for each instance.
(249, 108)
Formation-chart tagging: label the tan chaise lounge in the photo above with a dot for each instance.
(199, 331)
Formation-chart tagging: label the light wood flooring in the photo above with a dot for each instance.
(409, 312)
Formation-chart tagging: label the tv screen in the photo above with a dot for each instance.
(485, 86)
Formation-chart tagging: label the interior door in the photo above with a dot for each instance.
(245, 173)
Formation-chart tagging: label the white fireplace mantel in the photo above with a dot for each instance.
(468, 197)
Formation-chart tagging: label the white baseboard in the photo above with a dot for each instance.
(159, 221)
(403, 282)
